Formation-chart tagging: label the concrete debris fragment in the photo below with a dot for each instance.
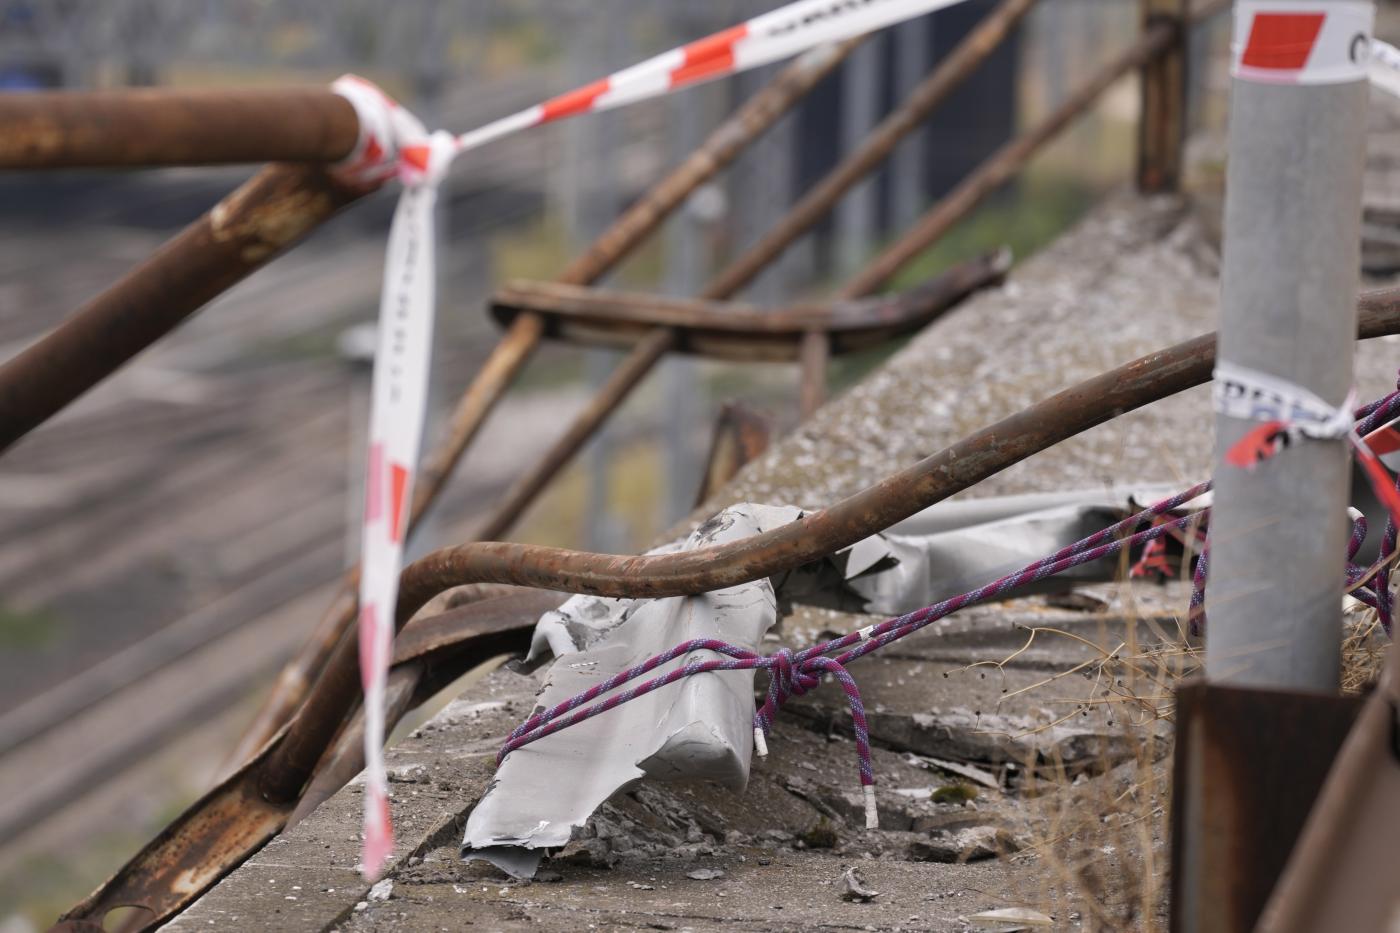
(381, 890)
(997, 740)
(1010, 920)
(704, 874)
(971, 844)
(853, 888)
(1076, 601)
(974, 774)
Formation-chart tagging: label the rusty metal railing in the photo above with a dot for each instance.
(296, 732)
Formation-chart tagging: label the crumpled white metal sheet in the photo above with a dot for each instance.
(698, 729)
(953, 547)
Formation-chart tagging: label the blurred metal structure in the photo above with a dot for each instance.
(295, 738)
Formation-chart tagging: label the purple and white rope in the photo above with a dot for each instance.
(792, 674)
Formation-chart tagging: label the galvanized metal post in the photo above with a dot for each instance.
(1291, 261)
(1269, 703)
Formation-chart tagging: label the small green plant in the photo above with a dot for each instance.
(28, 628)
(820, 836)
(958, 792)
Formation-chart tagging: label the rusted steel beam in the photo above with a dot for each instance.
(221, 830)
(1003, 164)
(234, 819)
(1232, 828)
(150, 127)
(736, 331)
(751, 334)
(722, 146)
(741, 435)
(1341, 873)
(818, 201)
(1163, 91)
(243, 232)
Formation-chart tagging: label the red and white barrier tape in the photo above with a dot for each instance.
(1278, 42)
(1289, 414)
(1384, 67)
(394, 143)
(1287, 42)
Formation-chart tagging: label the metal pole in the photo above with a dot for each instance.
(1291, 261)
(166, 126)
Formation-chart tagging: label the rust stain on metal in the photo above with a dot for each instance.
(261, 224)
(32, 139)
(173, 126)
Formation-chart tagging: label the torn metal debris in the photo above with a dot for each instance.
(701, 727)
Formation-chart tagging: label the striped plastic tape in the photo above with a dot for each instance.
(393, 143)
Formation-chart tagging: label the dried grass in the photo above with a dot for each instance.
(1101, 843)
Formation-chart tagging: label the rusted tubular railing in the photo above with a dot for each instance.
(963, 464)
(152, 127)
(952, 71)
(692, 321)
(722, 146)
(241, 233)
(725, 330)
(1002, 165)
(233, 820)
(247, 809)
(999, 168)
(429, 655)
(970, 53)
